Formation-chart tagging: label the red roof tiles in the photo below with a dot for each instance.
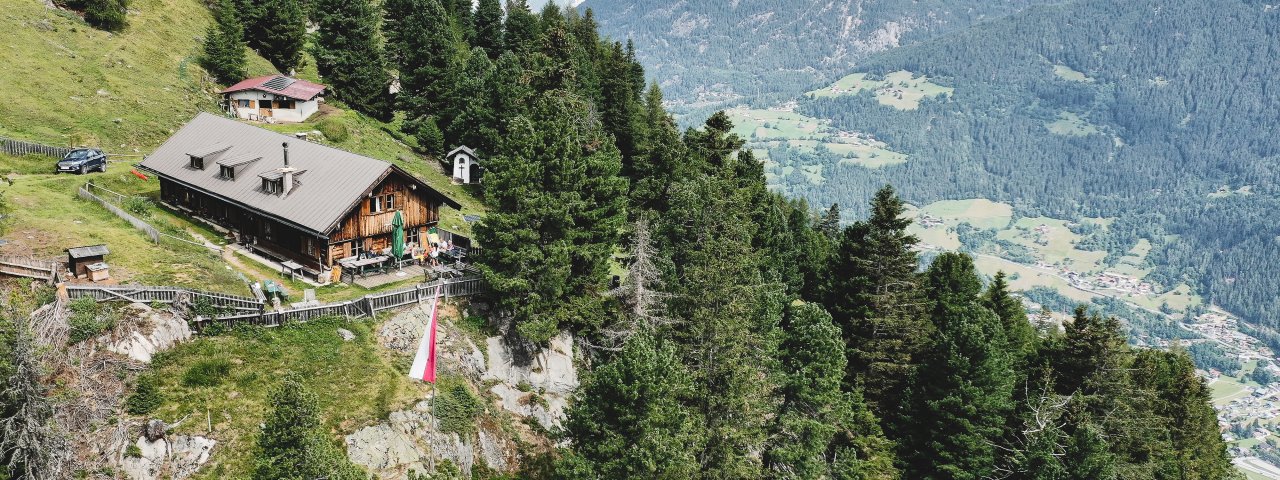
(297, 89)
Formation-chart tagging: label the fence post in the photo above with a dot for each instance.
(368, 300)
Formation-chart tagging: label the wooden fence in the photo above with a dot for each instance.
(19, 148)
(251, 311)
(140, 294)
(30, 268)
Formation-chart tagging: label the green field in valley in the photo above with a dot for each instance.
(901, 90)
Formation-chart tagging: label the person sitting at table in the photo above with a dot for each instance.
(435, 256)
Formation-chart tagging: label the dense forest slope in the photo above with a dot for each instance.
(1157, 112)
(706, 53)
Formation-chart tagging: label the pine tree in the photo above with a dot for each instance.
(556, 204)
(964, 385)
(520, 31)
(460, 10)
(630, 418)
(487, 28)
(349, 55)
(1087, 455)
(816, 418)
(224, 47)
(874, 296)
(292, 445)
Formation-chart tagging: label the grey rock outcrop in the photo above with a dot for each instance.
(539, 389)
(175, 457)
(152, 332)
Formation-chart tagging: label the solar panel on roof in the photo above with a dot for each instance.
(279, 83)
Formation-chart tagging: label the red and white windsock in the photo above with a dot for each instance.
(424, 363)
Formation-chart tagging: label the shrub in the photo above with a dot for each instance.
(132, 451)
(139, 206)
(88, 319)
(146, 397)
(457, 409)
(207, 373)
(107, 15)
(333, 130)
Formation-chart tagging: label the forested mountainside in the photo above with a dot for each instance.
(1159, 113)
(723, 330)
(708, 53)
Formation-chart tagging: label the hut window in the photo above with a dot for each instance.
(389, 202)
(411, 236)
(272, 186)
(228, 173)
(197, 162)
(382, 203)
(244, 103)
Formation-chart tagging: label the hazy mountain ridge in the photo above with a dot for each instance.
(710, 52)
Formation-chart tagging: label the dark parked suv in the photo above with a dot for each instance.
(83, 160)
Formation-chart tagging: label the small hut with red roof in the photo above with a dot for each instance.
(273, 98)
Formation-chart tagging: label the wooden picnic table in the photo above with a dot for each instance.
(291, 268)
(359, 265)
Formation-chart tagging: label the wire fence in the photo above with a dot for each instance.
(86, 192)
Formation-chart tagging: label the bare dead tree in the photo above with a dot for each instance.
(640, 293)
(1041, 430)
(30, 443)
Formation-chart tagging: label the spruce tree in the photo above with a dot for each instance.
(729, 322)
(963, 388)
(473, 121)
(224, 46)
(427, 49)
(520, 31)
(556, 204)
(1017, 328)
(818, 423)
(619, 103)
(349, 55)
(874, 296)
(487, 28)
(1183, 402)
(292, 445)
(277, 29)
(630, 418)
(661, 159)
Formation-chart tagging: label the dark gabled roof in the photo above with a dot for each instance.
(88, 251)
(336, 180)
(279, 85)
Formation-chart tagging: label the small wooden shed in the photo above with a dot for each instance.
(88, 261)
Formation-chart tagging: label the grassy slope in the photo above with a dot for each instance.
(66, 83)
(357, 383)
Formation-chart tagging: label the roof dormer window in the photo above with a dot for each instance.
(197, 162)
(273, 186)
(227, 172)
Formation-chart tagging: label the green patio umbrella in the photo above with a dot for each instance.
(397, 237)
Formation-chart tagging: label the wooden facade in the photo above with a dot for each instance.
(366, 227)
